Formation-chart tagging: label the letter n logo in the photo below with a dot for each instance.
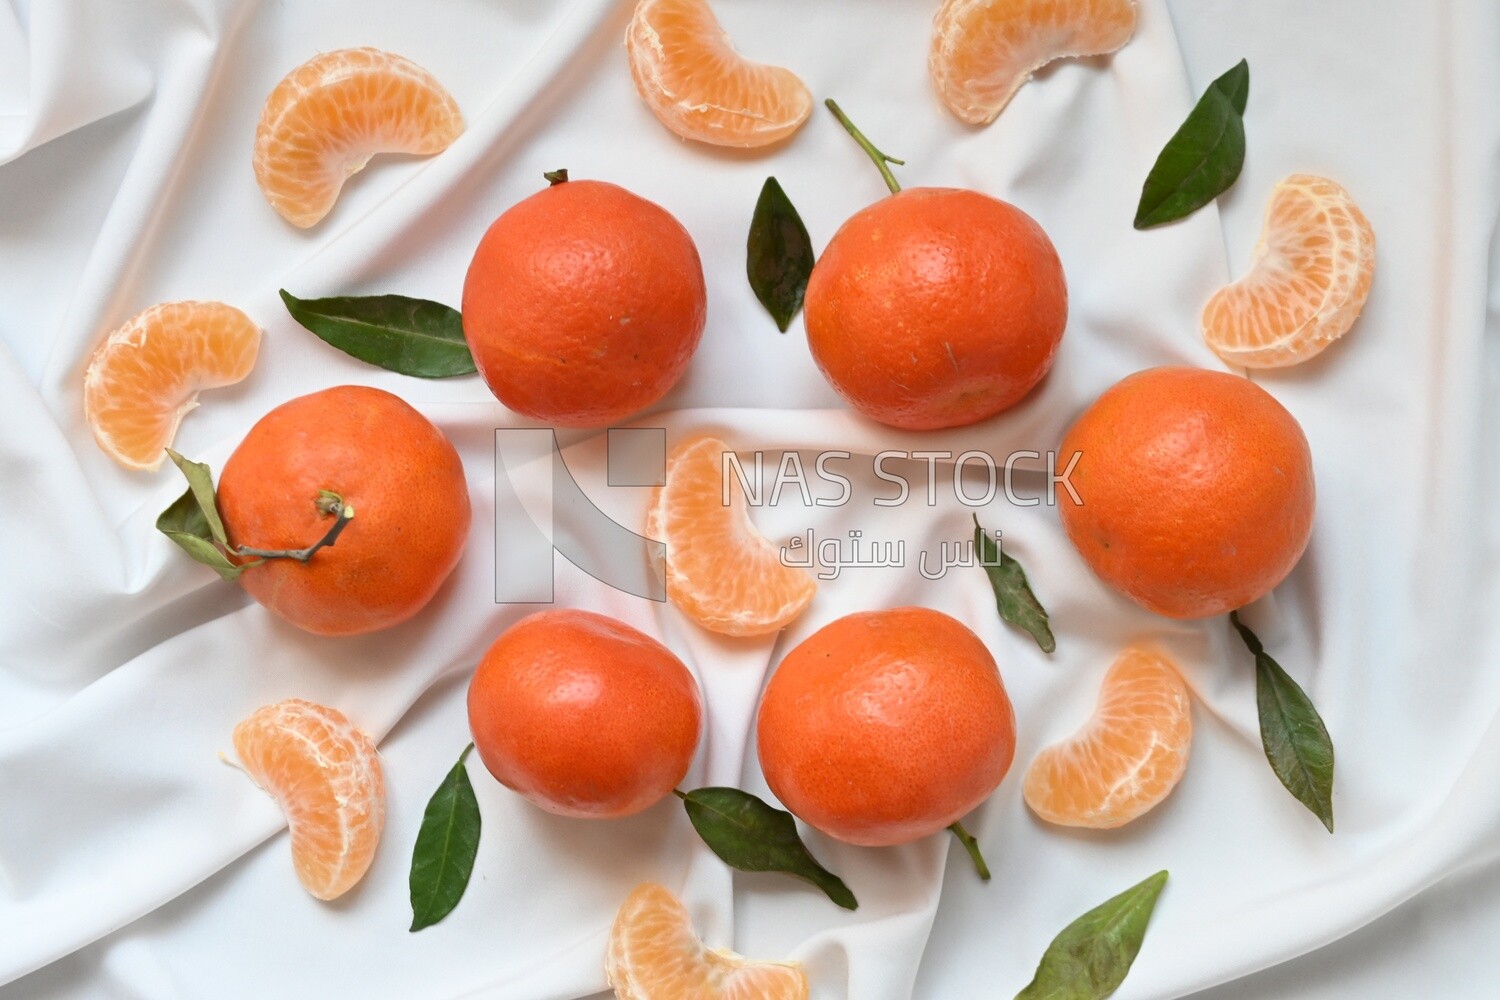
(540, 509)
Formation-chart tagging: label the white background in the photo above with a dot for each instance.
(123, 666)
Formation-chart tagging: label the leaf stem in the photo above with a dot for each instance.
(880, 159)
(328, 503)
(972, 846)
(1251, 639)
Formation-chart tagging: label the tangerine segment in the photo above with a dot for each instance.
(718, 569)
(654, 955)
(326, 776)
(697, 85)
(146, 375)
(1127, 758)
(327, 117)
(984, 50)
(1308, 280)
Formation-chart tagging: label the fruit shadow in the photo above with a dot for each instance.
(600, 851)
(737, 154)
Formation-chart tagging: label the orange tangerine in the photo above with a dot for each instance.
(654, 955)
(327, 117)
(584, 715)
(884, 727)
(1127, 758)
(1192, 491)
(147, 374)
(326, 776)
(984, 50)
(1308, 280)
(718, 568)
(698, 86)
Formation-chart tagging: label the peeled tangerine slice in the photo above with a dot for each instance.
(1127, 758)
(984, 50)
(146, 375)
(654, 955)
(328, 780)
(694, 81)
(1308, 279)
(719, 570)
(327, 117)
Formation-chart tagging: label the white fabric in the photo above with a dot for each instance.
(134, 864)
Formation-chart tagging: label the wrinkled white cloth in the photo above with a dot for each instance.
(134, 864)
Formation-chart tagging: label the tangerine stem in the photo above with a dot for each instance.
(556, 177)
(881, 159)
(972, 846)
(329, 503)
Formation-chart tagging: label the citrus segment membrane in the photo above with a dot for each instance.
(984, 50)
(719, 570)
(329, 116)
(147, 374)
(1309, 277)
(654, 955)
(697, 85)
(327, 778)
(1127, 758)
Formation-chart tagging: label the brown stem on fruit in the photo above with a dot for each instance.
(328, 503)
(679, 793)
(880, 159)
(972, 846)
(556, 177)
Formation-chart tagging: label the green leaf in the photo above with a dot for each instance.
(193, 523)
(752, 836)
(1235, 85)
(410, 336)
(780, 254)
(1013, 596)
(1203, 158)
(1091, 957)
(1291, 730)
(447, 843)
(201, 485)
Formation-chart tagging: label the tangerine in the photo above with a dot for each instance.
(1194, 490)
(583, 304)
(935, 307)
(303, 467)
(584, 715)
(886, 726)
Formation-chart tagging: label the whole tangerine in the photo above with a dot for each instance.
(936, 307)
(1195, 490)
(584, 715)
(583, 304)
(886, 726)
(312, 460)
